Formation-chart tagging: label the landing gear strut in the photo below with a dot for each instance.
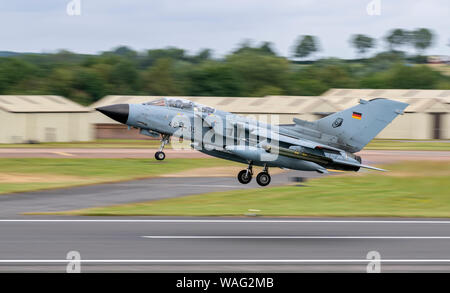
(245, 176)
(160, 155)
(263, 177)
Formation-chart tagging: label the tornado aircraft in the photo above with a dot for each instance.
(318, 146)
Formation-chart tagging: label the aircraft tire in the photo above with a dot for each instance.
(263, 179)
(243, 178)
(160, 156)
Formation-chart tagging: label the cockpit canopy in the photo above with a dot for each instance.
(181, 104)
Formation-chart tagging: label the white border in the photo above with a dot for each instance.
(213, 261)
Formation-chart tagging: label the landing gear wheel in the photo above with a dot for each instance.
(244, 177)
(160, 156)
(263, 178)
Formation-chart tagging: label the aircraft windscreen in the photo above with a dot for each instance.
(181, 104)
(159, 102)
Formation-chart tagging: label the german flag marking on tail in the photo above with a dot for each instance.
(357, 115)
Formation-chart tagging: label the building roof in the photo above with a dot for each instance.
(429, 105)
(241, 105)
(420, 101)
(443, 95)
(427, 101)
(39, 104)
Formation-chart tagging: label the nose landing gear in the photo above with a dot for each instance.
(160, 155)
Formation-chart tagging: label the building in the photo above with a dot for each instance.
(427, 117)
(28, 119)
(271, 109)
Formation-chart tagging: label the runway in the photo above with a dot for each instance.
(224, 244)
(175, 244)
(369, 156)
(14, 205)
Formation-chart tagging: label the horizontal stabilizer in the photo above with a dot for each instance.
(358, 165)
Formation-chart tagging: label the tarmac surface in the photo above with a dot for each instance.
(224, 244)
(178, 244)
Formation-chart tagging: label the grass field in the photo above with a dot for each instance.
(419, 189)
(417, 145)
(33, 174)
(377, 144)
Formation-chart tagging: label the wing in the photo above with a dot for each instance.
(269, 139)
(307, 150)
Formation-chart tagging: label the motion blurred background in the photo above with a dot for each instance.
(61, 59)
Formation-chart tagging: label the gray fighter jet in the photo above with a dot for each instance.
(327, 143)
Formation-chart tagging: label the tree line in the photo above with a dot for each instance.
(250, 70)
(420, 39)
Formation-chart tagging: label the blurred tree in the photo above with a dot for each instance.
(317, 78)
(169, 52)
(268, 90)
(203, 55)
(125, 51)
(256, 70)
(267, 48)
(124, 77)
(251, 70)
(264, 48)
(397, 38)
(13, 71)
(244, 46)
(306, 45)
(213, 79)
(158, 79)
(404, 77)
(308, 87)
(421, 39)
(362, 43)
(89, 82)
(409, 77)
(61, 82)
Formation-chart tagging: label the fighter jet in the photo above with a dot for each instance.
(327, 143)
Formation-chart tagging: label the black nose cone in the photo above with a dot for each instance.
(118, 112)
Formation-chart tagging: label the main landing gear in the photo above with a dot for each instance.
(160, 155)
(263, 178)
(245, 176)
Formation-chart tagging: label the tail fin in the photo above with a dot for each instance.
(357, 126)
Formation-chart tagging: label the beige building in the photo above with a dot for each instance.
(271, 109)
(43, 119)
(427, 117)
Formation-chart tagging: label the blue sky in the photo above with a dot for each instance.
(44, 26)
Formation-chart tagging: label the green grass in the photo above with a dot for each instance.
(377, 144)
(29, 174)
(419, 189)
(416, 145)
